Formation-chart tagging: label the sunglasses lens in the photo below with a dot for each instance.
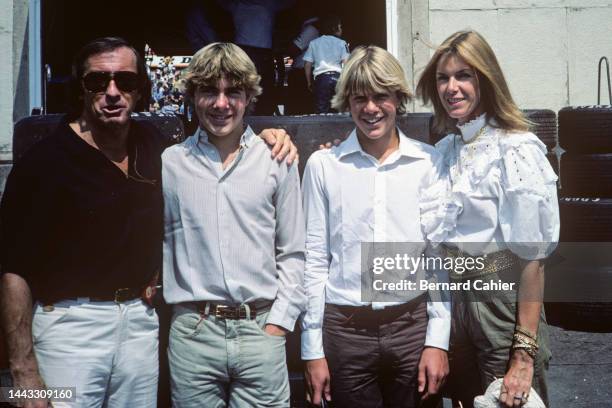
(126, 81)
(98, 81)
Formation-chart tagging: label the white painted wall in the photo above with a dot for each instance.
(548, 49)
(14, 85)
(6, 79)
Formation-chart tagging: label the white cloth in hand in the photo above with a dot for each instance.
(490, 399)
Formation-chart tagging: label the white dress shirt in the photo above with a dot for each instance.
(499, 192)
(350, 198)
(233, 235)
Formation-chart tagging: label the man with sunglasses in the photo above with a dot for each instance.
(81, 234)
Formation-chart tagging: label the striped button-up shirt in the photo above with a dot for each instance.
(233, 235)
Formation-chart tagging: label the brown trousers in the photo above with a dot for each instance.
(373, 355)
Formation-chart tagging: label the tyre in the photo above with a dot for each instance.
(586, 175)
(545, 125)
(579, 285)
(585, 219)
(586, 129)
(554, 162)
(30, 130)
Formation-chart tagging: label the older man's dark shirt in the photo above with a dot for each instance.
(73, 225)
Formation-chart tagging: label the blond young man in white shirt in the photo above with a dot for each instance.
(362, 353)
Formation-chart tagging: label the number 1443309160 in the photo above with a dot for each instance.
(54, 394)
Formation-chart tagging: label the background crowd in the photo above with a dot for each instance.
(166, 96)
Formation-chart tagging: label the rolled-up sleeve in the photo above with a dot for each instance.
(317, 257)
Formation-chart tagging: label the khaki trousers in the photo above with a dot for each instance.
(481, 337)
(217, 363)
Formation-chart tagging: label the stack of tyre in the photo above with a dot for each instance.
(545, 128)
(583, 274)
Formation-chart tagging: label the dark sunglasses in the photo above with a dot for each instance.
(97, 81)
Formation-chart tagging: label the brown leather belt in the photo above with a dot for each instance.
(120, 295)
(384, 315)
(232, 312)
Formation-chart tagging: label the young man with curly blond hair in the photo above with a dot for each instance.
(233, 246)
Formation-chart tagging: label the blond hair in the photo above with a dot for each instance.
(495, 97)
(221, 60)
(371, 69)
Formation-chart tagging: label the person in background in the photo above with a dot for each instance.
(198, 26)
(299, 100)
(326, 54)
(253, 28)
(498, 198)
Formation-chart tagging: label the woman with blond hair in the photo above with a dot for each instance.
(498, 202)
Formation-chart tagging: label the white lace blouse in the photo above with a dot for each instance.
(498, 192)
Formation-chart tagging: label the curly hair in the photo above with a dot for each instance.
(221, 60)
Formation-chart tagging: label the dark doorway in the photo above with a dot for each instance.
(69, 24)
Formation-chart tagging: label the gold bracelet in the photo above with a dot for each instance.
(522, 330)
(518, 337)
(530, 350)
(522, 342)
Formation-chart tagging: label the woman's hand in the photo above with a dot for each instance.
(517, 381)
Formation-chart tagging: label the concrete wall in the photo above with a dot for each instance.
(548, 49)
(6, 78)
(14, 103)
(14, 92)
(21, 75)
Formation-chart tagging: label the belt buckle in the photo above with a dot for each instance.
(224, 312)
(122, 295)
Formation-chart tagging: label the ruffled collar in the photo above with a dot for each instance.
(470, 129)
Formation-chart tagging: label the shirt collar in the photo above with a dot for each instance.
(246, 140)
(470, 129)
(407, 146)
